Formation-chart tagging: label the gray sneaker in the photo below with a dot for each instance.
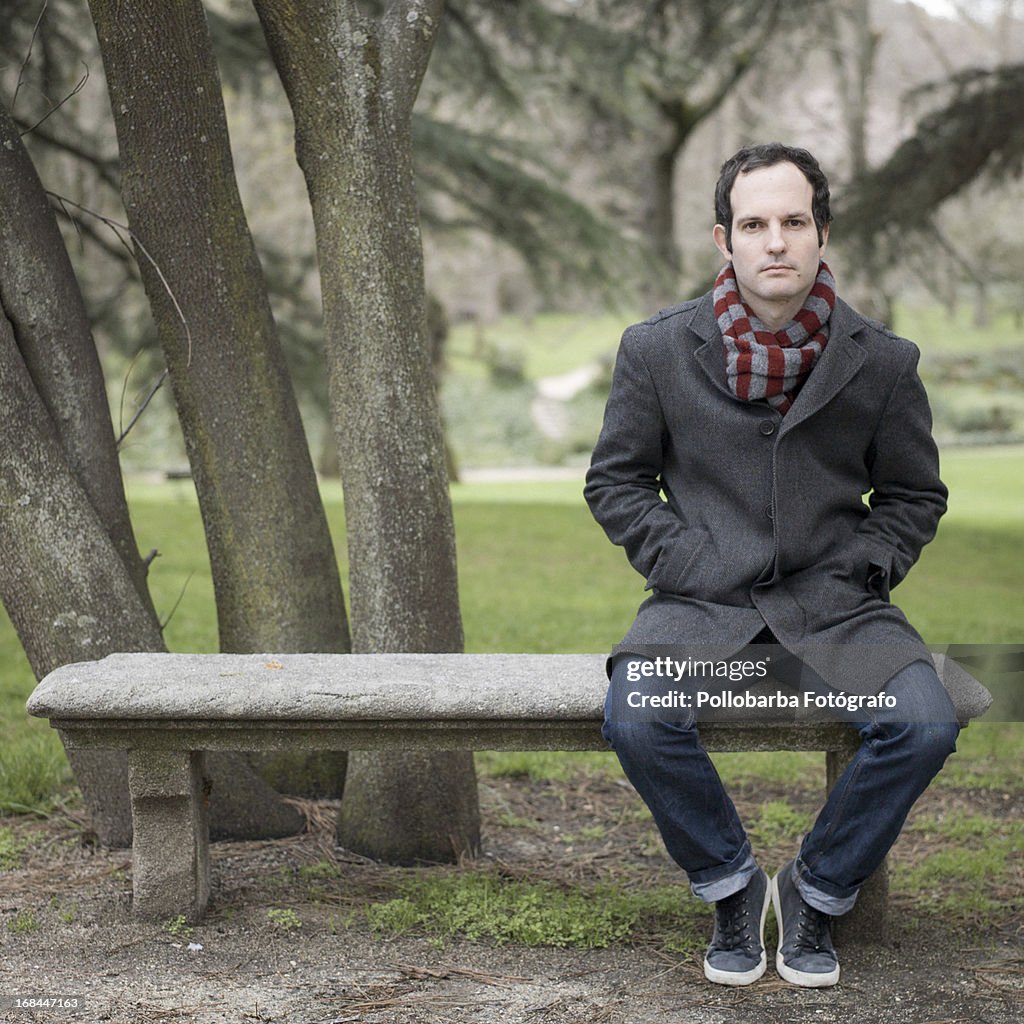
(736, 955)
(806, 956)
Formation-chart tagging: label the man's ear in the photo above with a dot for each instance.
(722, 241)
(824, 241)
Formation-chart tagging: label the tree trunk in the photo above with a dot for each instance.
(352, 80)
(855, 63)
(62, 581)
(65, 588)
(982, 307)
(274, 570)
(41, 298)
(71, 577)
(658, 226)
(678, 118)
(855, 57)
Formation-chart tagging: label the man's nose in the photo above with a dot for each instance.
(775, 242)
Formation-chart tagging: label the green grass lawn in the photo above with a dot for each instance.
(972, 373)
(550, 344)
(934, 330)
(537, 574)
(554, 343)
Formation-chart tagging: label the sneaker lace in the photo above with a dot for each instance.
(812, 930)
(734, 923)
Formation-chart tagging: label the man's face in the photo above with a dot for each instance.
(774, 246)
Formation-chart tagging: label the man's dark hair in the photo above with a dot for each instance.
(767, 155)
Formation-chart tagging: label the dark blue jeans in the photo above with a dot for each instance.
(862, 816)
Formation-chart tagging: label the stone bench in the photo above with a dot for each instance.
(165, 710)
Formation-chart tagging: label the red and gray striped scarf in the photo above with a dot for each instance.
(772, 364)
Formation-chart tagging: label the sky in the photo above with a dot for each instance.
(939, 8)
(948, 8)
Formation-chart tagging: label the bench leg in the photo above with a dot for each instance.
(171, 833)
(867, 921)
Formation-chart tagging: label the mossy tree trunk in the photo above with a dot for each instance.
(42, 301)
(352, 77)
(71, 577)
(274, 569)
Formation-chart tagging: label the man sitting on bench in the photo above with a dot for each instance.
(765, 411)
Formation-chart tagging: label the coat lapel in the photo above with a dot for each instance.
(842, 358)
(711, 355)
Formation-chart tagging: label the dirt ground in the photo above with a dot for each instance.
(66, 930)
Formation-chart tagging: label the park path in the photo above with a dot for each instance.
(548, 408)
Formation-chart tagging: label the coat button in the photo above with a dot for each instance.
(769, 511)
(767, 427)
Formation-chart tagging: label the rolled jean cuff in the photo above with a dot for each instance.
(713, 884)
(824, 896)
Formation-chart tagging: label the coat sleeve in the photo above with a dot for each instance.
(907, 498)
(623, 487)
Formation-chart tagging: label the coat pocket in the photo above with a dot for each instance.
(675, 564)
(851, 580)
(878, 580)
(872, 568)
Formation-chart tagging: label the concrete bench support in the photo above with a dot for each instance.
(165, 710)
(171, 833)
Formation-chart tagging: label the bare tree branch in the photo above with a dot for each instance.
(28, 55)
(105, 167)
(117, 227)
(142, 406)
(79, 86)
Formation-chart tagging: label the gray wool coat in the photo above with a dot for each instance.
(802, 523)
